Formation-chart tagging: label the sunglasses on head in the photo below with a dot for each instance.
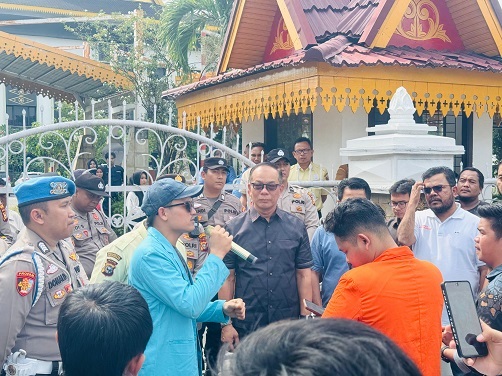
(188, 205)
(270, 186)
(436, 189)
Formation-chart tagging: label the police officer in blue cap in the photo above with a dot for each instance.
(36, 274)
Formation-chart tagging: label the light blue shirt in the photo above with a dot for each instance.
(176, 303)
(329, 262)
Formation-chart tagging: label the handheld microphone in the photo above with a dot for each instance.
(237, 249)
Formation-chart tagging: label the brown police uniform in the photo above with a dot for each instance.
(197, 250)
(34, 283)
(91, 233)
(301, 204)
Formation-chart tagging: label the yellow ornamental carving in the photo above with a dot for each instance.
(282, 40)
(424, 16)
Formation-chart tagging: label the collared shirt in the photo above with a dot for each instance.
(269, 286)
(229, 208)
(30, 270)
(312, 173)
(300, 203)
(112, 262)
(329, 262)
(489, 304)
(176, 302)
(393, 292)
(449, 245)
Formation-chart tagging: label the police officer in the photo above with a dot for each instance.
(36, 275)
(296, 201)
(91, 232)
(214, 207)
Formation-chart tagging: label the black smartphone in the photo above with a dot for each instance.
(464, 319)
(312, 307)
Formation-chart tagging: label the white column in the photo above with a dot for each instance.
(3, 105)
(482, 147)
(253, 131)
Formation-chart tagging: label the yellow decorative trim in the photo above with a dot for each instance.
(418, 11)
(317, 87)
(390, 24)
(231, 37)
(492, 22)
(39, 9)
(279, 42)
(288, 20)
(53, 57)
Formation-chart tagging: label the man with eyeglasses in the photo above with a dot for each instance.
(92, 232)
(274, 287)
(399, 197)
(443, 234)
(176, 300)
(307, 170)
(469, 187)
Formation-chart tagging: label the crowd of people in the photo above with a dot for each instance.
(174, 297)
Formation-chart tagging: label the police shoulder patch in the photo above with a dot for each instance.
(24, 282)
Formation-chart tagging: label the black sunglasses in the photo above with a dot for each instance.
(270, 186)
(436, 188)
(188, 205)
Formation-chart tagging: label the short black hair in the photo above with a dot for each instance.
(493, 213)
(101, 328)
(481, 177)
(258, 144)
(107, 155)
(354, 183)
(25, 211)
(448, 173)
(262, 164)
(323, 347)
(402, 187)
(353, 215)
(302, 139)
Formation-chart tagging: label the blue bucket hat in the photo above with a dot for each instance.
(43, 189)
(162, 192)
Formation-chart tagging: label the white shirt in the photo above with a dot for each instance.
(449, 245)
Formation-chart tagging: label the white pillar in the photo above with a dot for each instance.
(482, 147)
(3, 104)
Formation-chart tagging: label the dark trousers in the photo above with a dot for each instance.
(212, 345)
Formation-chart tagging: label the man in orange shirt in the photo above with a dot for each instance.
(388, 289)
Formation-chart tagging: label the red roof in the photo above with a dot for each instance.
(339, 51)
(328, 18)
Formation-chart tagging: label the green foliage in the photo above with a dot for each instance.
(182, 23)
(133, 47)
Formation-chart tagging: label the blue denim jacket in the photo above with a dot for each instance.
(176, 303)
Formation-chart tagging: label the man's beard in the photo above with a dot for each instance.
(443, 208)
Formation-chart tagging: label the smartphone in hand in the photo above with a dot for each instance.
(312, 307)
(464, 318)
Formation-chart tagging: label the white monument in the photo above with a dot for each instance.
(398, 150)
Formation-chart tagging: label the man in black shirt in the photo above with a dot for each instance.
(274, 287)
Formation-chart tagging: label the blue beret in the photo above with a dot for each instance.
(162, 192)
(43, 189)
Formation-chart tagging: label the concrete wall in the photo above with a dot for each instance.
(253, 131)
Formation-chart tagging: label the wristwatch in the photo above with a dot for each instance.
(229, 322)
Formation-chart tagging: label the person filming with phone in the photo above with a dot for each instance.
(489, 249)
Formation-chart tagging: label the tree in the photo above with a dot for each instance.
(183, 21)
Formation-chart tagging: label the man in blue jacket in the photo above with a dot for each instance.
(176, 301)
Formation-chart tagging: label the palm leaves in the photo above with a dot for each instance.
(183, 21)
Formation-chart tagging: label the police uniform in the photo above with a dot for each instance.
(92, 232)
(197, 250)
(301, 204)
(35, 282)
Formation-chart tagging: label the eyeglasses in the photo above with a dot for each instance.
(302, 151)
(399, 204)
(188, 205)
(270, 186)
(436, 189)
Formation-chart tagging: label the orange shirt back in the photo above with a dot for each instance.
(400, 296)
